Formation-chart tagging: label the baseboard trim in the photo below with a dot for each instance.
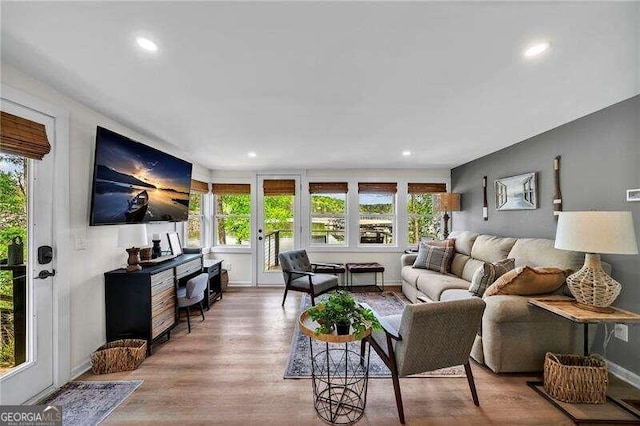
(79, 370)
(624, 374)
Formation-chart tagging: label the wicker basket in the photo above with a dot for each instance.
(575, 378)
(119, 355)
(224, 279)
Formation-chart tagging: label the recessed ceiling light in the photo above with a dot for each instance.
(406, 153)
(146, 44)
(536, 49)
(252, 154)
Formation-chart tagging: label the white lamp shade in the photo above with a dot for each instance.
(132, 236)
(596, 232)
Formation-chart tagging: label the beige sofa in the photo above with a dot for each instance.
(515, 335)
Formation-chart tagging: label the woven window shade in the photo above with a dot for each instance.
(279, 187)
(426, 188)
(199, 186)
(328, 188)
(231, 188)
(22, 137)
(378, 188)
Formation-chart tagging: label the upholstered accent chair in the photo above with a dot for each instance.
(299, 276)
(426, 337)
(192, 294)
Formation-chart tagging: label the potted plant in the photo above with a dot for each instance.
(341, 311)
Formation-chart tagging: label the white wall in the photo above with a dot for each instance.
(86, 284)
(243, 270)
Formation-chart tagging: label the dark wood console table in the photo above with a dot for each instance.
(142, 304)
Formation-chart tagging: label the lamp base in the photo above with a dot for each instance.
(133, 260)
(592, 287)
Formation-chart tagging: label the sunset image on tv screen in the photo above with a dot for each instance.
(135, 183)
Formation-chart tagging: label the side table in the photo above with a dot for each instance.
(569, 309)
(365, 268)
(339, 374)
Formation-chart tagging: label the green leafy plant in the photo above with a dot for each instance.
(342, 308)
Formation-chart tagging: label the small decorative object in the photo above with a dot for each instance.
(485, 203)
(517, 192)
(145, 253)
(633, 194)
(557, 197)
(15, 251)
(595, 233)
(341, 311)
(132, 237)
(119, 355)
(446, 202)
(156, 251)
(174, 243)
(576, 379)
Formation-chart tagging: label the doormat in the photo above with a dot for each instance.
(89, 403)
(385, 303)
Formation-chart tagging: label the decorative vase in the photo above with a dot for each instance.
(343, 329)
(156, 251)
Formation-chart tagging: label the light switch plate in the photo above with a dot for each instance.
(622, 332)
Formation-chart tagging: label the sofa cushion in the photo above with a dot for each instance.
(540, 252)
(456, 294)
(457, 264)
(432, 283)
(470, 268)
(490, 248)
(488, 273)
(434, 258)
(526, 281)
(464, 241)
(410, 274)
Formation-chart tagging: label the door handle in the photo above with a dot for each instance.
(44, 274)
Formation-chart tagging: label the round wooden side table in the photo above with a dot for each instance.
(339, 374)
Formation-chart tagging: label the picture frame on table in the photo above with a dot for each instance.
(174, 243)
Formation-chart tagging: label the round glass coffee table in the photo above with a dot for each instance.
(339, 373)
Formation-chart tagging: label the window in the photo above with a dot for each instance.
(233, 214)
(195, 222)
(422, 218)
(377, 203)
(328, 213)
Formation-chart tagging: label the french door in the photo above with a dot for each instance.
(26, 290)
(278, 224)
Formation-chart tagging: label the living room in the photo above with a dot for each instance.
(358, 117)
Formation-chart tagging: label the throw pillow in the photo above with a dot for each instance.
(450, 242)
(486, 274)
(526, 281)
(434, 258)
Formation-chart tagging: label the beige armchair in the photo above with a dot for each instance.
(426, 337)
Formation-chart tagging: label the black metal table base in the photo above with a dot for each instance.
(339, 378)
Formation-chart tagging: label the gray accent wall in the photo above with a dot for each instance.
(600, 161)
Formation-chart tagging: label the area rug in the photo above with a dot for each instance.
(385, 303)
(89, 403)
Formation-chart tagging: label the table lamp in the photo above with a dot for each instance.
(132, 237)
(447, 202)
(595, 233)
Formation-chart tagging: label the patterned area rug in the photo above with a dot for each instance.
(89, 403)
(386, 303)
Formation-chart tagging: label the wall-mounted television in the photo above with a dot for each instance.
(134, 183)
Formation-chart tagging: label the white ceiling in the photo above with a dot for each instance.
(332, 85)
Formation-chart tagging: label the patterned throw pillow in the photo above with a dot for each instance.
(434, 258)
(450, 242)
(527, 281)
(486, 274)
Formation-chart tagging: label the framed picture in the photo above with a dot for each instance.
(633, 194)
(517, 192)
(174, 243)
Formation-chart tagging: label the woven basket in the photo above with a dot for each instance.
(119, 355)
(576, 379)
(224, 279)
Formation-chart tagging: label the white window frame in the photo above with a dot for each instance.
(344, 216)
(410, 216)
(215, 215)
(394, 222)
(202, 216)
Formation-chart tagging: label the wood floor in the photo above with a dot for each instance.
(229, 371)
